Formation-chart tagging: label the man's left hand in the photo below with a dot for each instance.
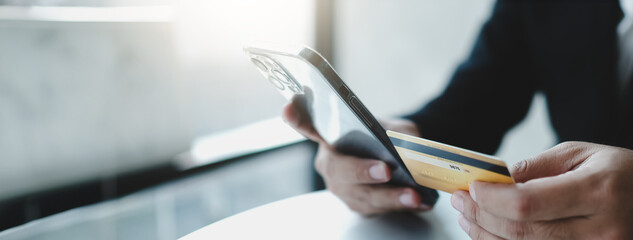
(573, 191)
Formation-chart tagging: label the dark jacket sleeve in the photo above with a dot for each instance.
(490, 92)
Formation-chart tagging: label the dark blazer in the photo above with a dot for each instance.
(566, 50)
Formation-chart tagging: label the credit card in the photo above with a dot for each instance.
(444, 167)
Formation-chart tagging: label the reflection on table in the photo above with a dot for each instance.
(321, 215)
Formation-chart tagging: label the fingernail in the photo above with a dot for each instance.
(464, 223)
(458, 202)
(378, 172)
(473, 195)
(407, 200)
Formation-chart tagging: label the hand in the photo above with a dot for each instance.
(573, 191)
(358, 182)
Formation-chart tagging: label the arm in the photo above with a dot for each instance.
(489, 93)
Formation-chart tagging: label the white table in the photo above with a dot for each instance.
(321, 215)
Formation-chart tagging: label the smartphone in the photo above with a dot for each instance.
(303, 76)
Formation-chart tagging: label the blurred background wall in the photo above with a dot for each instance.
(398, 55)
(86, 100)
(96, 88)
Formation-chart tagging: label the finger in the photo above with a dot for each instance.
(566, 228)
(498, 226)
(557, 160)
(387, 197)
(475, 232)
(373, 199)
(298, 119)
(339, 168)
(570, 228)
(562, 196)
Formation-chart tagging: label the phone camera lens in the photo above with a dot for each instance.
(293, 88)
(278, 84)
(281, 76)
(260, 65)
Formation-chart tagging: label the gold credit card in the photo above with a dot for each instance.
(444, 167)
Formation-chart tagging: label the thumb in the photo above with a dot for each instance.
(557, 160)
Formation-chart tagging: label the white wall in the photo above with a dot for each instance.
(82, 99)
(399, 54)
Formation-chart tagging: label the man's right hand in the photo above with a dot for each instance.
(360, 183)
